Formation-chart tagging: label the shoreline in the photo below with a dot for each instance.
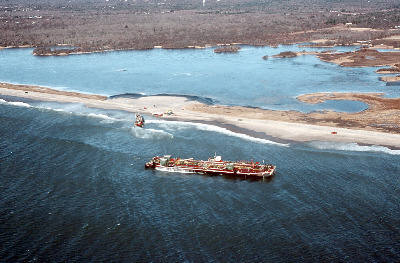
(313, 42)
(284, 125)
(78, 51)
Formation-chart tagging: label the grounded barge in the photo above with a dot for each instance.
(213, 166)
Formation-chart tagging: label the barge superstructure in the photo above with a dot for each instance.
(213, 166)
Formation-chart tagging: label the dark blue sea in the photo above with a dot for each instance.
(73, 187)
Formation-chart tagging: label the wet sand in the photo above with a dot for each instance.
(378, 125)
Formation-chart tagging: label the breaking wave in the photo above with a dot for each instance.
(104, 117)
(352, 147)
(183, 74)
(15, 103)
(173, 125)
(80, 110)
(144, 133)
(76, 109)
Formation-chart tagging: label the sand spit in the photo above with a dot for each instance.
(44, 90)
(378, 125)
(390, 78)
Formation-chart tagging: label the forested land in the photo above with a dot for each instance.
(140, 24)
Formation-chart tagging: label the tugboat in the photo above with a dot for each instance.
(139, 120)
(213, 166)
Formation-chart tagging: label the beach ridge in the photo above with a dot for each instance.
(377, 125)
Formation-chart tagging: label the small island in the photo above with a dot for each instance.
(286, 54)
(227, 49)
(44, 51)
(394, 69)
(393, 80)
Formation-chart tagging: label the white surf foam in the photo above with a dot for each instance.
(183, 74)
(79, 110)
(145, 133)
(15, 103)
(102, 116)
(59, 110)
(76, 109)
(170, 125)
(20, 104)
(352, 147)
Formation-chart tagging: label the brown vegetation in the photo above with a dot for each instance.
(362, 58)
(389, 43)
(104, 25)
(394, 69)
(345, 36)
(383, 114)
(42, 51)
(227, 49)
(286, 54)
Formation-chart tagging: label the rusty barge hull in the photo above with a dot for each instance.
(214, 167)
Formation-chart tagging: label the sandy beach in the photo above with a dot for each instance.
(371, 128)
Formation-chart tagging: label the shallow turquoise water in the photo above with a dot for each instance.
(234, 79)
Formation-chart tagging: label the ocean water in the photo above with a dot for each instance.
(74, 188)
(73, 185)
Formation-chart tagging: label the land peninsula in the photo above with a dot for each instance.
(378, 125)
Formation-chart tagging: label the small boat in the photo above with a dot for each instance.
(213, 166)
(139, 122)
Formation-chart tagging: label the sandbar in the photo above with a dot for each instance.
(378, 125)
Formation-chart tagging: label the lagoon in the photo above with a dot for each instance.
(231, 79)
